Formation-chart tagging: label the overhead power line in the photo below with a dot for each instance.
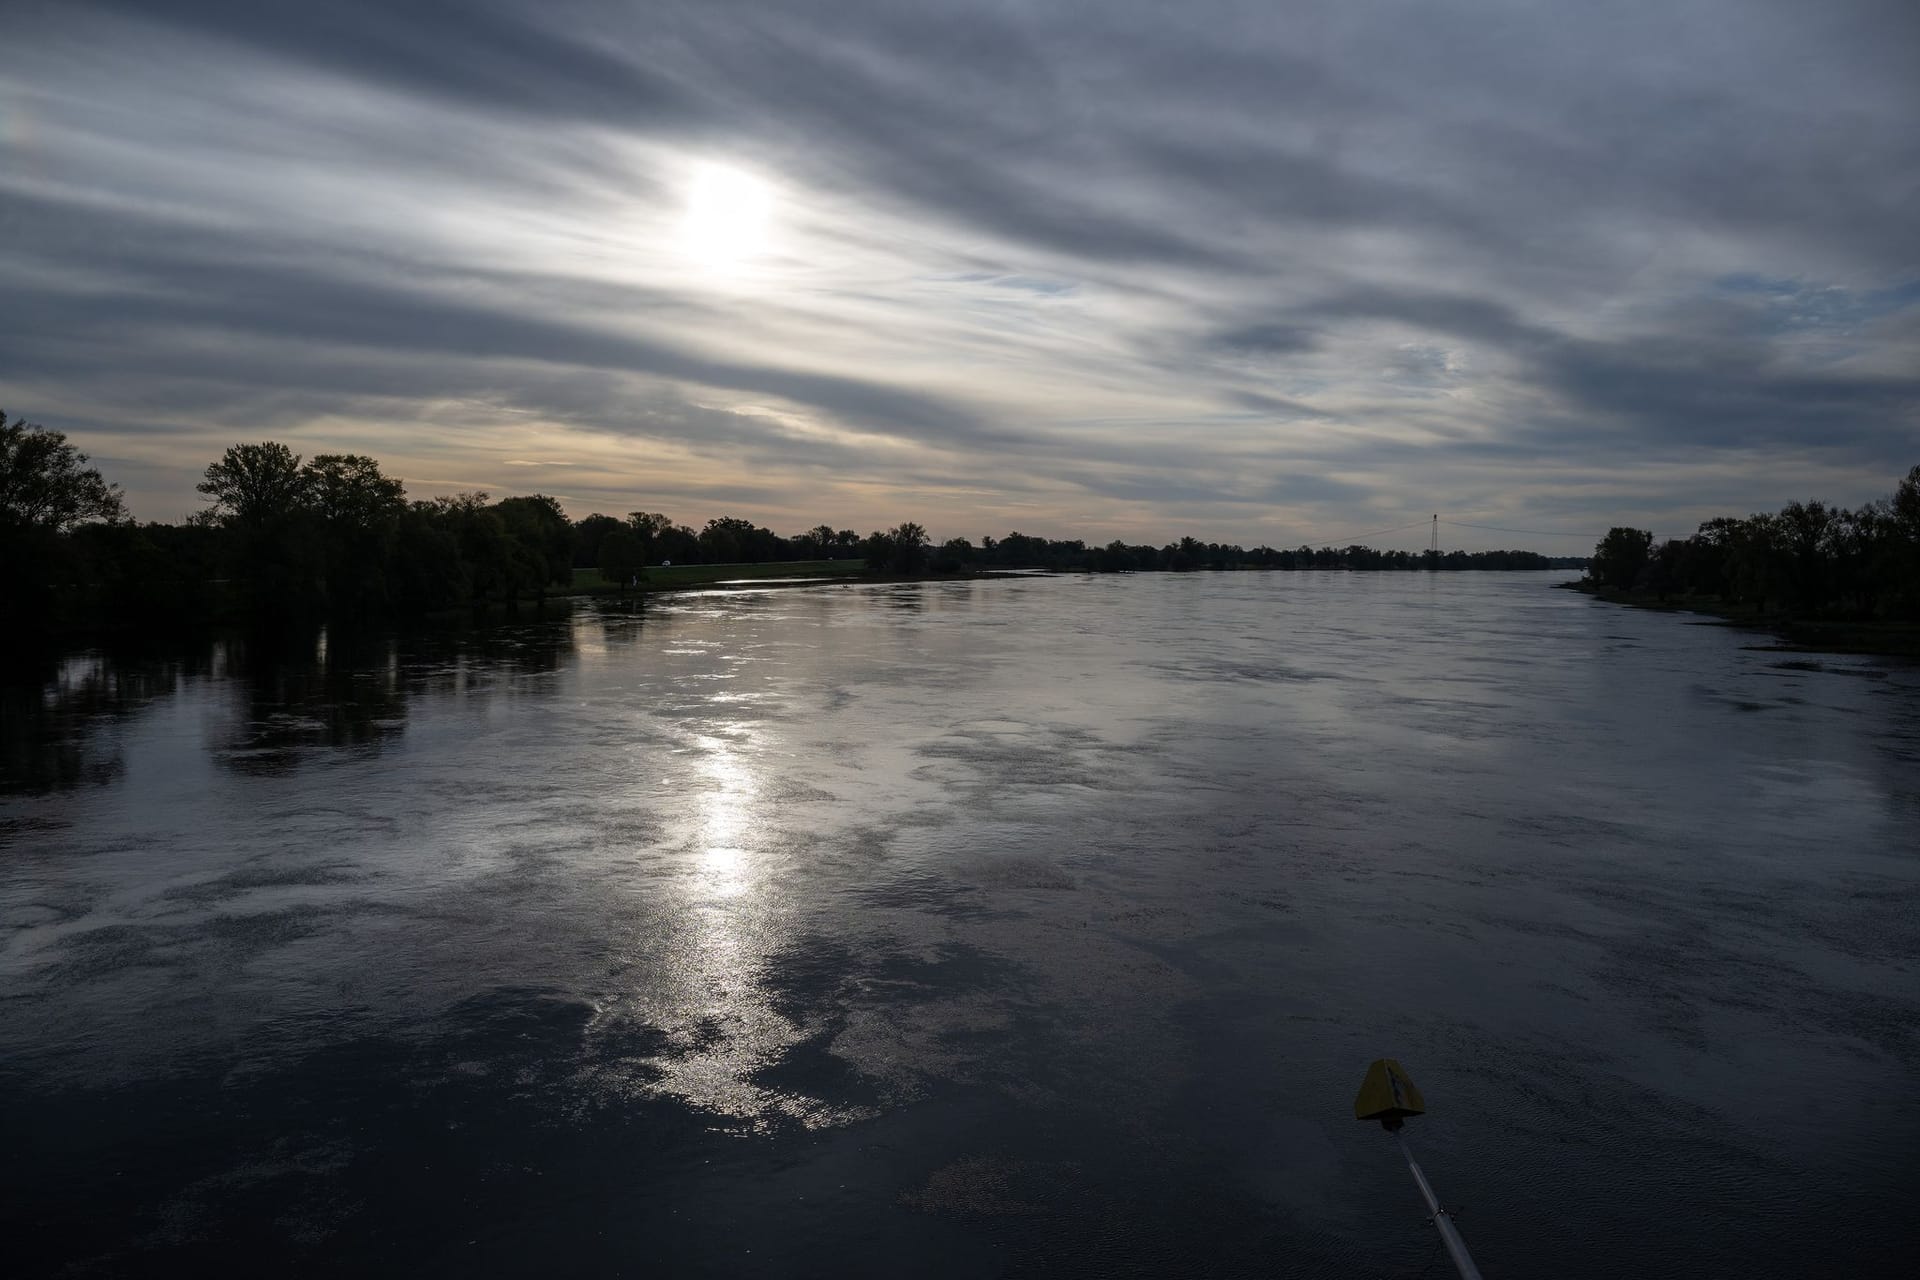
(1327, 540)
(1346, 539)
(1497, 528)
(1541, 533)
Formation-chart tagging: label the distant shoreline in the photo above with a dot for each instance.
(1799, 635)
(742, 577)
(812, 578)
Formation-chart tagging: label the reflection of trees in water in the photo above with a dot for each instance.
(340, 691)
(620, 623)
(327, 691)
(522, 650)
(283, 699)
(492, 661)
(60, 718)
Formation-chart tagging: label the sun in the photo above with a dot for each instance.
(727, 217)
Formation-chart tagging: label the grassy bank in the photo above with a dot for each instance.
(1805, 635)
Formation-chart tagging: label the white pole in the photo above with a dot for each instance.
(1456, 1247)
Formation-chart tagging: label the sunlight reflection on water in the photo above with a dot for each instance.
(1126, 874)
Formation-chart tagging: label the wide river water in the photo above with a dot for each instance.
(1035, 927)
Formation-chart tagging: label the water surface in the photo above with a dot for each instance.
(1031, 927)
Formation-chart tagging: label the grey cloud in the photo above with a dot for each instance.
(324, 305)
(1679, 397)
(1637, 224)
(481, 55)
(1462, 315)
(1713, 375)
(1276, 406)
(1263, 338)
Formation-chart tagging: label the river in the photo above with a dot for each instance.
(1035, 927)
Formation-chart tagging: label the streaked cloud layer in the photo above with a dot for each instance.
(1244, 270)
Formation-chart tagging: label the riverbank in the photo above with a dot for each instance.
(1797, 635)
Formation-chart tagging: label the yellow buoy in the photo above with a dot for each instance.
(1388, 1095)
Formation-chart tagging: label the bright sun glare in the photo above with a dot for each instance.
(727, 217)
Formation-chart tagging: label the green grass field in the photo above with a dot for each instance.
(659, 577)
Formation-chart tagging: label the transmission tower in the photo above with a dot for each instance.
(1433, 543)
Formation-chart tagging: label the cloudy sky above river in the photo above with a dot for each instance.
(1259, 271)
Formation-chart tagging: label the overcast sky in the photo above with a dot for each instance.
(1257, 271)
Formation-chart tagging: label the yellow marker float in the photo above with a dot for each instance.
(1389, 1095)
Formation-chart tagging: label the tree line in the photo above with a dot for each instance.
(643, 538)
(283, 538)
(1807, 560)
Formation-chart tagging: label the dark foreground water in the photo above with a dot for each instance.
(1037, 927)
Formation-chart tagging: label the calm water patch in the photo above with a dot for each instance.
(1035, 927)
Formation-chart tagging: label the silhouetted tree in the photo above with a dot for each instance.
(46, 491)
(909, 541)
(429, 572)
(358, 511)
(259, 494)
(1899, 556)
(588, 533)
(541, 541)
(46, 484)
(1809, 558)
(254, 484)
(336, 535)
(1620, 557)
(621, 558)
(954, 555)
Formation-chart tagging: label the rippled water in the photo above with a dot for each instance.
(1037, 927)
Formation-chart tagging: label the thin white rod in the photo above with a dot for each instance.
(1456, 1247)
